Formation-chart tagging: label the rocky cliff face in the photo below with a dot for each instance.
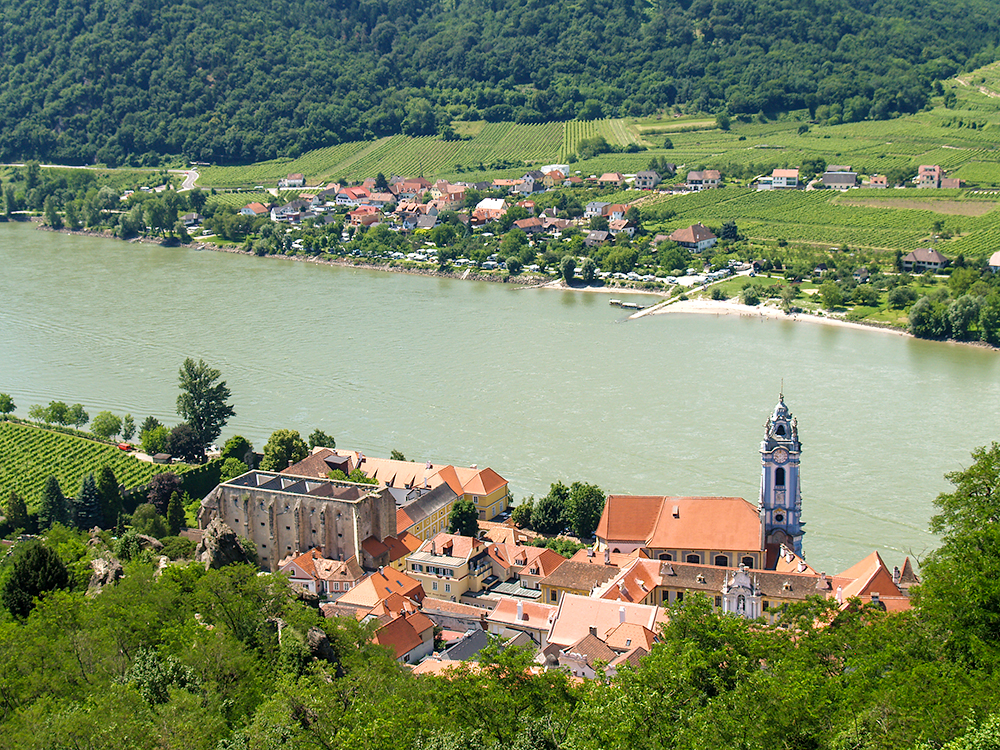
(220, 547)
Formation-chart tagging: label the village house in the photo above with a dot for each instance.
(923, 259)
(780, 179)
(510, 617)
(579, 616)
(489, 209)
(292, 181)
(703, 180)
(576, 577)
(448, 566)
(611, 179)
(695, 238)
(646, 180)
(878, 181)
(530, 226)
(994, 262)
(379, 587)
(255, 209)
(839, 177)
(393, 550)
(595, 208)
(316, 574)
(616, 226)
(929, 176)
(596, 237)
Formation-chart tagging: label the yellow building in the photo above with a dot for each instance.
(449, 565)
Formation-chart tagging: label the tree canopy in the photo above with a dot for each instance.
(238, 83)
(204, 400)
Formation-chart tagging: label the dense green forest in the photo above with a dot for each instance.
(129, 81)
(231, 660)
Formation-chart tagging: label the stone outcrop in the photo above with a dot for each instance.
(150, 542)
(107, 572)
(220, 547)
(319, 645)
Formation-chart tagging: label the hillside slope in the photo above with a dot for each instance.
(214, 80)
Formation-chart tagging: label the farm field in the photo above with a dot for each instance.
(30, 454)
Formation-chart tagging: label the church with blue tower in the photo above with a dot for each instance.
(780, 504)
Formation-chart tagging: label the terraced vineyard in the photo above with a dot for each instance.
(315, 165)
(29, 455)
(820, 217)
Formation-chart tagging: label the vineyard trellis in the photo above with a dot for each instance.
(30, 454)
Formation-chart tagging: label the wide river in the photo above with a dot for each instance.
(541, 385)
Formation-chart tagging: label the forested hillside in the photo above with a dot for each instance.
(121, 81)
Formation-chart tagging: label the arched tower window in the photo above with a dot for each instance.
(666, 556)
(722, 561)
(694, 559)
(779, 478)
(748, 561)
(780, 430)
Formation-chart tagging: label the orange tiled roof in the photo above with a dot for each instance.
(629, 635)
(381, 585)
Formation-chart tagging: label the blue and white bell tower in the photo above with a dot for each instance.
(780, 503)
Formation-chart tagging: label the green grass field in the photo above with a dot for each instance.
(30, 454)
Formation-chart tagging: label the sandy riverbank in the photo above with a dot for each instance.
(726, 307)
(561, 285)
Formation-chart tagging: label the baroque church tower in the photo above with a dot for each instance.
(780, 503)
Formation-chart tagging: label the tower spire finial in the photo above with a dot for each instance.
(781, 393)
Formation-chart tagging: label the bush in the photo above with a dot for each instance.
(178, 547)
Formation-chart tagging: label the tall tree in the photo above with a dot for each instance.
(203, 401)
(106, 425)
(87, 506)
(128, 427)
(319, 439)
(36, 570)
(7, 405)
(17, 512)
(76, 416)
(584, 508)
(463, 519)
(240, 448)
(111, 496)
(57, 412)
(183, 443)
(161, 489)
(283, 449)
(53, 508)
(175, 514)
(959, 591)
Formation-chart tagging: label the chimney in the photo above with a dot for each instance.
(895, 575)
(520, 610)
(677, 511)
(433, 548)
(621, 615)
(802, 566)
(607, 556)
(590, 552)
(380, 571)
(593, 631)
(840, 595)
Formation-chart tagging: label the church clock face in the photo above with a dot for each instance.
(780, 456)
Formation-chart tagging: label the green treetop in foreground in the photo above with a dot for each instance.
(203, 400)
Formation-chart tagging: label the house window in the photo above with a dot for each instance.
(628, 642)
(693, 559)
(336, 585)
(475, 499)
(718, 601)
(347, 586)
(287, 528)
(261, 523)
(779, 477)
(552, 596)
(748, 561)
(722, 561)
(447, 588)
(666, 556)
(679, 597)
(767, 605)
(434, 585)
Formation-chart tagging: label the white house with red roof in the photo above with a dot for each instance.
(695, 238)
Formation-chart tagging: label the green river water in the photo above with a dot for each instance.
(539, 384)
